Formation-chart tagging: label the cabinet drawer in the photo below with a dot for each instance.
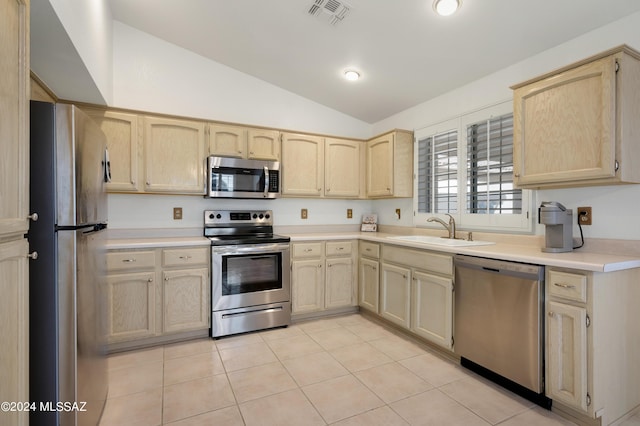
(185, 256)
(303, 250)
(368, 249)
(130, 260)
(568, 285)
(338, 248)
(425, 260)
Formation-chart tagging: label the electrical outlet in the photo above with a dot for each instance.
(349, 213)
(584, 215)
(177, 213)
(304, 214)
(398, 214)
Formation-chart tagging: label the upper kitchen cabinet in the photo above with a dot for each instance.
(123, 142)
(578, 126)
(263, 144)
(242, 142)
(14, 110)
(342, 168)
(174, 156)
(303, 165)
(389, 163)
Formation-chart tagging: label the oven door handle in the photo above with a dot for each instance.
(260, 248)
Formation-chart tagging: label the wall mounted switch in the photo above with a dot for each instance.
(349, 213)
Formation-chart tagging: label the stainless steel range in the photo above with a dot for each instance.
(250, 277)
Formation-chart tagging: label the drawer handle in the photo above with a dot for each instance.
(129, 260)
(564, 285)
(185, 257)
(308, 250)
(368, 249)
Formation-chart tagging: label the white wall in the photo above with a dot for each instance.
(153, 75)
(89, 26)
(156, 211)
(614, 208)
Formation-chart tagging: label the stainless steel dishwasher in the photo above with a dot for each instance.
(498, 328)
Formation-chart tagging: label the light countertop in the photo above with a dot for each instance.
(577, 259)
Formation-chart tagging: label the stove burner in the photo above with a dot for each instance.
(235, 227)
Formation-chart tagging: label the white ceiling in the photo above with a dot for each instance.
(405, 53)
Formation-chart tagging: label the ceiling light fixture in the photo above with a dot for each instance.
(351, 75)
(446, 7)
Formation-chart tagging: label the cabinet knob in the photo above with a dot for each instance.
(33, 255)
(150, 280)
(319, 266)
(319, 189)
(33, 217)
(516, 175)
(552, 314)
(166, 278)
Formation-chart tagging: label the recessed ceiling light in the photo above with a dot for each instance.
(351, 75)
(446, 7)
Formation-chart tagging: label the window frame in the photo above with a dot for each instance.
(511, 223)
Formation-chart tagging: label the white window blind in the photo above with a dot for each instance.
(490, 168)
(438, 173)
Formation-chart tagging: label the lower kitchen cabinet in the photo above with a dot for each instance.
(432, 308)
(307, 289)
(592, 326)
(395, 294)
(416, 292)
(185, 299)
(323, 276)
(156, 293)
(131, 306)
(369, 276)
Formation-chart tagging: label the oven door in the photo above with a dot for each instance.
(249, 275)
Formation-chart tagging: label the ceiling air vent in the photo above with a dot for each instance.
(333, 10)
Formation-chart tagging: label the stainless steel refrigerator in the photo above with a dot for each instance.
(67, 312)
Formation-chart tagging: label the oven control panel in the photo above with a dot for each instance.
(213, 218)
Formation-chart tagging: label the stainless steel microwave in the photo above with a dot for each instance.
(238, 178)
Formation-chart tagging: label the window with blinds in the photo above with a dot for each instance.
(490, 168)
(438, 173)
(464, 167)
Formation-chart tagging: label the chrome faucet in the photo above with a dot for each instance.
(451, 227)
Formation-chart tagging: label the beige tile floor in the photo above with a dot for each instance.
(344, 370)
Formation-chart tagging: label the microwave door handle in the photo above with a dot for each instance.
(266, 182)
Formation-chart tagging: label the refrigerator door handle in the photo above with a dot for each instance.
(107, 166)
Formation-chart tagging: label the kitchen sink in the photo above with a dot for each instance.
(438, 241)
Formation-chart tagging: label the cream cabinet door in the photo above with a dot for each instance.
(307, 291)
(186, 300)
(131, 306)
(14, 329)
(263, 144)
(303, 165)
(174, 156)
(564, 126)
(123, 143)
(395, 294)
(227, 141)
(369, 284)
(342, 168)
(14, 110)
(432, 308)
(340, 281)
(380, 166)
(566, 372)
